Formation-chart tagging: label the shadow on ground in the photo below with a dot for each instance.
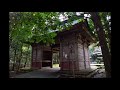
(45, 72)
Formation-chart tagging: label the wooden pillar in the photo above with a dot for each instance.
(51, 65)
(36, 56)
(83, 54)
(80, 54)
(39, 56)
(61, 53)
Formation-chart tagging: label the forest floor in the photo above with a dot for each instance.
(47, 72)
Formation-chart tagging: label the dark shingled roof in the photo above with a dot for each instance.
(80, 28)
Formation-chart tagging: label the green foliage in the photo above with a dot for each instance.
(106, 22)
(35, 27)
(32, 26)
(106, 26)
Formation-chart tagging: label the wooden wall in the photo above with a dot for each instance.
(74, 52)
(36, 56)
(68, 53)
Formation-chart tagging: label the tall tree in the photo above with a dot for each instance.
(19, 58)
(106, 21)
(103, 43)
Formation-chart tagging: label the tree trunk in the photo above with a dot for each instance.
(102, 40)
(13, 67)
(106, 23)
(109, 37)
(25, 61)
(26, 58)
(20, 58)
(106, 29)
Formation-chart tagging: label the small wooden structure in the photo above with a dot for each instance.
(74, 54)
(41, 56)
(72, 45)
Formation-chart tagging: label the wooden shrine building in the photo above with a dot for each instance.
(72, 46)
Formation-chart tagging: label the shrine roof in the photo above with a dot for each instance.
(79, 28)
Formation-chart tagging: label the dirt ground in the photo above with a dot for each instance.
(47, 72)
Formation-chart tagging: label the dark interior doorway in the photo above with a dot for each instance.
(47, 59)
